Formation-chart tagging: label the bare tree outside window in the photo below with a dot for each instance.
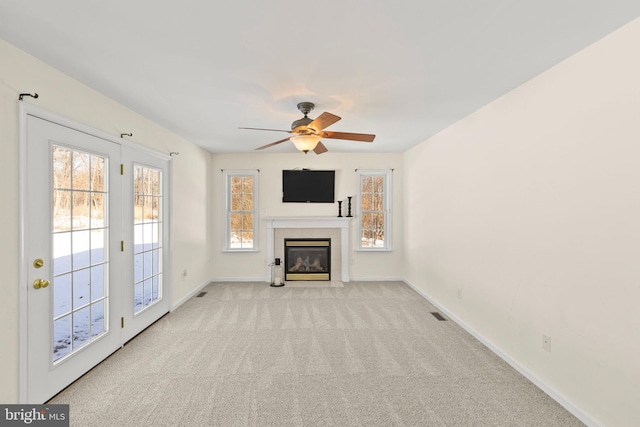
(78, 190)
(241, 191)
(374, 212)
(79, 243)
(148, 250)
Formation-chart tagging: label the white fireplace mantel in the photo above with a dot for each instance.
(310, 222)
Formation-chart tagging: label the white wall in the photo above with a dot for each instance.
(66, 97)
(531, 208)
(363, 265)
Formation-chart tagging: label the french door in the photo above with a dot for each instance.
(94, 246)
(146, 251)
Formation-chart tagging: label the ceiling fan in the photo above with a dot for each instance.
(307, 132)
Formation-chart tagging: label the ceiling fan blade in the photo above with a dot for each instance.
(323, 120)
(320, 148)
(273, 130)
(272, 144)
(362, 137)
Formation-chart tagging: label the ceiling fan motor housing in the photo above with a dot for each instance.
(305, 108)
(301, 123)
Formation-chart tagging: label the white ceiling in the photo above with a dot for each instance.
(402, 70)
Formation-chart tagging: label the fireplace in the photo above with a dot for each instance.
(307, 259)
(335, 228)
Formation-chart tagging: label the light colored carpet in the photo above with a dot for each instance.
(315, 284)
(366, 354)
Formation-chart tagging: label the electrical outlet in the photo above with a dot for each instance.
(459, 293)
(184, 273)
(546, 342)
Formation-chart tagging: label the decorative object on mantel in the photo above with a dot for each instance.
(276, 274)
(349, 208)
(339, 208)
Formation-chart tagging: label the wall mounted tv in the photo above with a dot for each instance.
(308, 186)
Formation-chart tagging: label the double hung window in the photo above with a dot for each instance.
(241, 213)
(374, 209)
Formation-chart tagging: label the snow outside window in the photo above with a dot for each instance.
(241, 210)
(374, 209)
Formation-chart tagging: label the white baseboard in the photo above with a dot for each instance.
(553, 393)
(351, 279)
(240, 279)
(190, 295)
(375, 279)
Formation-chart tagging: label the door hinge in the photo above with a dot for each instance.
(122, 322)
(122, 246)
(121, 168)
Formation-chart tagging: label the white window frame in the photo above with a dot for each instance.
(228, 174)
(387, 175)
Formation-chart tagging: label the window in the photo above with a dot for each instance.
(241, 216)
(374, 209)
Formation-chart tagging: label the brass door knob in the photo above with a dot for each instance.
(40, 283)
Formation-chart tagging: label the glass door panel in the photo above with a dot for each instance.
(80, 230)
(147, 230)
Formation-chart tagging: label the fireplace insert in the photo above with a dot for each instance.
(307, 259)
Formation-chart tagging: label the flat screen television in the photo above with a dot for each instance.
(308, 186)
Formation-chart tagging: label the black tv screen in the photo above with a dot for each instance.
(308, 186)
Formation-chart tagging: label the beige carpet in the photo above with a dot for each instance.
(366, 354)
(315, 284)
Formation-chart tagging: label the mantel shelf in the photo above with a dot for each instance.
(308, 222)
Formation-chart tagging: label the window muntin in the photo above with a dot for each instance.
(241, 210)
(374, 225)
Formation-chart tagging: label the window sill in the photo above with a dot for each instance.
(374, 250)
(240, 251)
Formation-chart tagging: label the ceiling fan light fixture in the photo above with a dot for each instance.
(305, 143)
(306, 133)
